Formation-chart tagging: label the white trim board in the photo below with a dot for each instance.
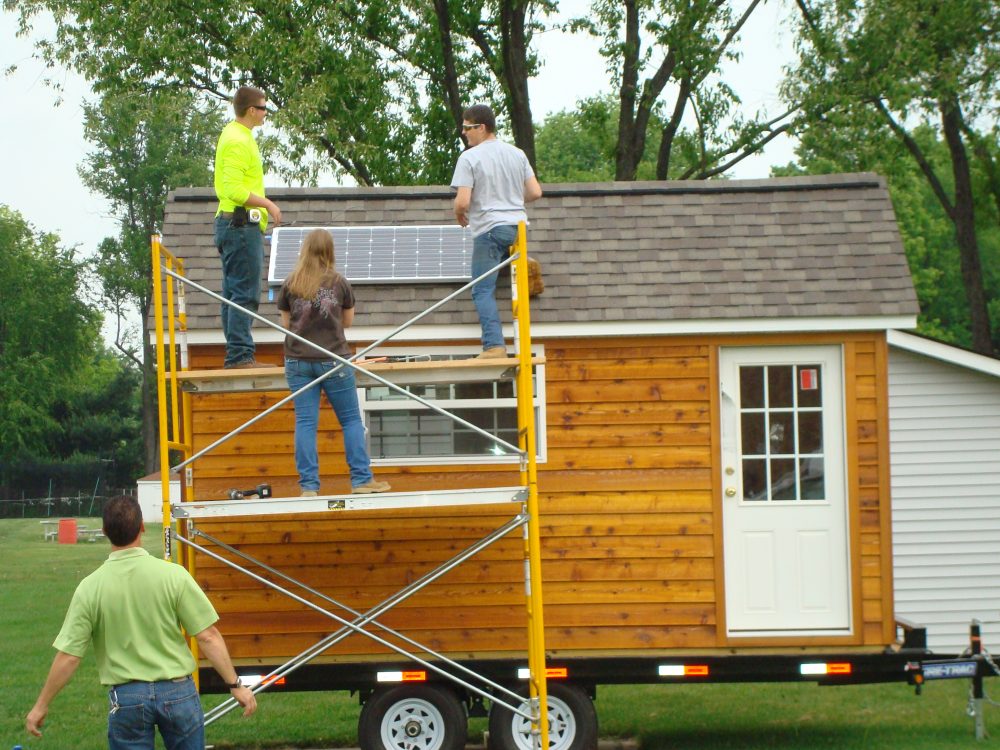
(944, 352)
(603, 329)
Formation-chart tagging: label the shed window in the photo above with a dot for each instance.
(403, 431)
(781, 430)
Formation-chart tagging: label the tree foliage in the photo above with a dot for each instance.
(909, 63)
(47, 331)
(372, 88)
(681, 44)
(144, 145)
(62, 396)
(579, 145)
(927, 232)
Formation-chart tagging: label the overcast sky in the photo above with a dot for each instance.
(43, 143)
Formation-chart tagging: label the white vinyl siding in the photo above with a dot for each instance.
(944, 422)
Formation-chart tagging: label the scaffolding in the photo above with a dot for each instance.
(176, 384)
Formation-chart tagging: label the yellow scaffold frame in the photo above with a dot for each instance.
(175, 412)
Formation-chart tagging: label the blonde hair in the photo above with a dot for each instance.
(315, 262)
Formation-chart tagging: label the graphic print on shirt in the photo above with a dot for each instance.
(323, 305)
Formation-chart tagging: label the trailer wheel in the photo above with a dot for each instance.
(572, 722)
(412, 717)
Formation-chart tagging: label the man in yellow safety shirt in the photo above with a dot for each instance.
(240, 221)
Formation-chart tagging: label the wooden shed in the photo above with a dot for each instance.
(944, 423)
(713, 427)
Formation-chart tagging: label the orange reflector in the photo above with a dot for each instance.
(683, 670)
(411, 676)
(822, 668)
(551, 673)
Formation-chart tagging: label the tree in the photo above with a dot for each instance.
(372, 87)
(926, 61)
(927, 232)
(144, 146)
(67, 406)
(579, 145)
(680, 42)
(47, 331)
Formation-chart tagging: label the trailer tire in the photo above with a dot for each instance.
(412, 717)
(572, 722)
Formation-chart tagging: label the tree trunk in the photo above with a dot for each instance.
(670, 130)
(514, 51)
(626, 160)
(964, 219)
(450, 81)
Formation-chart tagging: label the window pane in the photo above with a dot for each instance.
(783, 479)
(754, 479)
(810, 385)
(781, 432)
(779, 386)
(753, 433)
(810, 432)
(752, 387)
(811, 476)
(474, 390)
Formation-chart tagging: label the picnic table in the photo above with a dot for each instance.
(91, 535)
(50, 529)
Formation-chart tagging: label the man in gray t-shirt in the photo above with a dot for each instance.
(493, 181)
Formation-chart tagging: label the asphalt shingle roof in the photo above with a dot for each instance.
(817, 246)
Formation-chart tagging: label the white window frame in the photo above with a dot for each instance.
(538, 404)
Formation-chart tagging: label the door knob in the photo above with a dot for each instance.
(730, 492)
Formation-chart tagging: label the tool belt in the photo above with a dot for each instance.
(241, 216)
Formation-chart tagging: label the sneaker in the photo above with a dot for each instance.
(309, 493)
(494, 352)
(371, 487)
(246, 363)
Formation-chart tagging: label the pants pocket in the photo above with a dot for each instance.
(129, 724)
(184, 715)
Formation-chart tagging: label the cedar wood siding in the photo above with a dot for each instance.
(631, 514)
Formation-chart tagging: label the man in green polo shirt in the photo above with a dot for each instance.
(132, 610)
(240, 221)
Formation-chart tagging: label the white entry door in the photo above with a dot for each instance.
(784, 501)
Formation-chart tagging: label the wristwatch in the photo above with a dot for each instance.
(234, 685)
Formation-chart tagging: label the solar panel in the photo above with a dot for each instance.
(382, 253)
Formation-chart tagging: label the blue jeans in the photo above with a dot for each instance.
(342, 394)
(489, 250)
(172, 707)
(242, 253)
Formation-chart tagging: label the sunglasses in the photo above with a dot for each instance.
(268, 110)
(471, 127)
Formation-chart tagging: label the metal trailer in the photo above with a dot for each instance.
(387, 686)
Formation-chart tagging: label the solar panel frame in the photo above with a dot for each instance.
(373, 254)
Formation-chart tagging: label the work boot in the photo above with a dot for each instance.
(371, 487)
(494, 352)
(246, 363)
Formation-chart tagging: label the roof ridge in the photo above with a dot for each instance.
(797, 183)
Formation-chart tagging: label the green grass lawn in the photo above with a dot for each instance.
(37, 580)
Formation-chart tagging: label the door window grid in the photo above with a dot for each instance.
(403, 431)
(781, 430)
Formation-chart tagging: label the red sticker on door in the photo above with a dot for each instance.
(808, 380)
